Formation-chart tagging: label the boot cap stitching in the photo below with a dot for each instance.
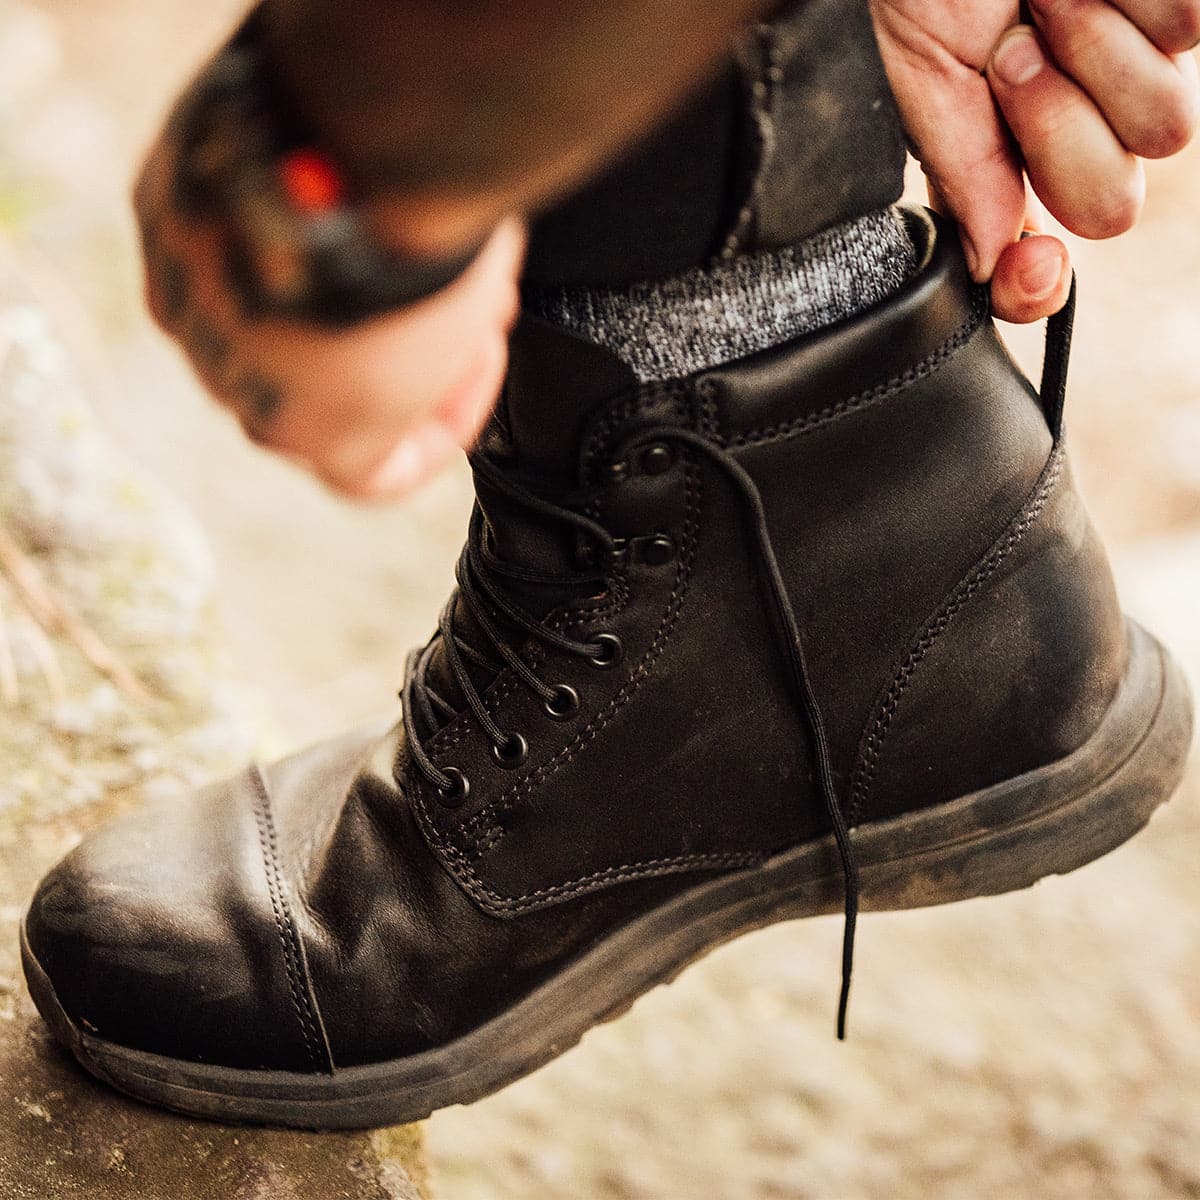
(932, 362)
(299, 985)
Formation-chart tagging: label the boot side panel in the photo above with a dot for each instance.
(688, 756)
(1013, 670)
(878, 514)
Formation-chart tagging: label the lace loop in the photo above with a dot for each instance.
(479, 573)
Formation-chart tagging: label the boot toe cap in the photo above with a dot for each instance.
(160, 933)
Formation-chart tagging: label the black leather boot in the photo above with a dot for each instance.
(823, 626)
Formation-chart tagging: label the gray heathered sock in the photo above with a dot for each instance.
(714, 315)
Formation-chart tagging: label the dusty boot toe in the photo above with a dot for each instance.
(163, 933)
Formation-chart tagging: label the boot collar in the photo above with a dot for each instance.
(858, 361)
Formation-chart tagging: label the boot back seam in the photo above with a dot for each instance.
(971, 584)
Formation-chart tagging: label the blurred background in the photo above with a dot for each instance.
(1040, 1045)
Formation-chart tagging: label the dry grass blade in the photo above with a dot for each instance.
(42, 649)
(55, 617)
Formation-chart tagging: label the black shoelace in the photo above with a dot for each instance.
(480, 576)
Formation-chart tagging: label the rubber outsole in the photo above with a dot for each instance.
(1047, 822)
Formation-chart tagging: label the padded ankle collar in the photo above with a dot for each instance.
(887, 348)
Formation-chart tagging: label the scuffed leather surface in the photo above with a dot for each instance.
(827, 113)
(891, 452)
(160, 932)
(401, 957)
(1033, 656)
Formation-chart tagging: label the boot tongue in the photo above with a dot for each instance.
(554, 381)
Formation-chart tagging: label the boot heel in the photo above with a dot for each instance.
(1049, 821)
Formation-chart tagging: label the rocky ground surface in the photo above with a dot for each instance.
(113, 688)
(1041, 1046)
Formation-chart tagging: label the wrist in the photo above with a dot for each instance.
(302, 238)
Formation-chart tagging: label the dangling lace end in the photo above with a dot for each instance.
(847, 963)
(793, 646)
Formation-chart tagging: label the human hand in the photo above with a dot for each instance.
(372, 410)
(1067, 104)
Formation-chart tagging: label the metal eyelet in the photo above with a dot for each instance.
(456, 791)
(617, 555)
(511, 752)
(617, 472)
(656, 459)
(564, 704)
(611, 650)
(657, 550)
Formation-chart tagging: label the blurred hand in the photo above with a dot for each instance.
(1068, 104)
(373, 410)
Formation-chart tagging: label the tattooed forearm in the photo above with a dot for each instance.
(208, 345)
(207, 340)
(258, 400)
(173, 283)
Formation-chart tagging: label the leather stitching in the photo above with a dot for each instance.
(880, 392)
(760, 59)
(489, 837)
(462, 868)
(621, 411)
(648, 869)
(613, 420)
(458, 730)
(618, 415)
(289, 941)
(968, 587)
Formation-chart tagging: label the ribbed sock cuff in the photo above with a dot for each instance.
(714, 315)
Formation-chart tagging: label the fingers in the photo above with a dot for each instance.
(1090, 90)
(1172, 25)
(422, 451)
(418, 455)
(969, 161)
(1149, 99)
(185, 292)
(974, 175)
(1032, 280)
(1077, 165)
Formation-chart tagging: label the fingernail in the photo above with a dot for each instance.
(1040, 278)
(1018, 58)
(399, 469)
